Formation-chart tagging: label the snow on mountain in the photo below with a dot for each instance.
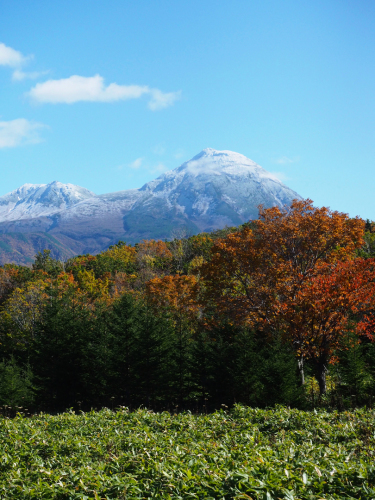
(212, 190)
(102, 205)
(218, 187)
(36, 200)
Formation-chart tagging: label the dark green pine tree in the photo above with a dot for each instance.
(279, 373)
(356, 374)
(250, 369)
(123, 323)
(212, 361)
(153, 366)
(65, 357)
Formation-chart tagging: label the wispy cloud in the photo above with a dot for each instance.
(179, 154)
(80, 88)
(161, 100)
(281, 176)
(11, 57)
(158, 169)
(14, 59)
(19, 132)
(136, 163)
(19, 75)
(283, 160)
(159, 149)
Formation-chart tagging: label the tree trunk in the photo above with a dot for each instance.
(320, 375)
(301, 369)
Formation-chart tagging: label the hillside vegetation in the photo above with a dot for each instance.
(20, 248)
(246, 453)
(278, 311)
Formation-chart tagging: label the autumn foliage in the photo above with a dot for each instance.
(209, 317)
(296, 274)
(175, 293)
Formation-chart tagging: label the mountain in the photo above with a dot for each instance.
(212, 190)
(35, 200)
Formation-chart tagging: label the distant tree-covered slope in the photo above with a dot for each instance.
(20, 248)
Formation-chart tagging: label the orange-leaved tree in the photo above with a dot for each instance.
(153, 254)
(176, 293)
(325, 307)
(294, 273)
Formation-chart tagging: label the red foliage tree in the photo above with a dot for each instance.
(295, 274)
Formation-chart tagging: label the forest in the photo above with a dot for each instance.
(277, 311)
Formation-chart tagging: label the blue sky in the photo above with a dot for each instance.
(108, 95)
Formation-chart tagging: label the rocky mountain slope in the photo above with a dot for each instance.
(213, 190)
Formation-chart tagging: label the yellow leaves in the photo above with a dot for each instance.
(23, 308)
(94, 287)
(124, 253)
(196, 263)
(148, 260)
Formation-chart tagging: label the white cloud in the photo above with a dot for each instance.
(19, 75)
(14, 58)
(80, 88)
(136, 163)
(161, 100)
(19, 132)
(11, 57)
(284, 160)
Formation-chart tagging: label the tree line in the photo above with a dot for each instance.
(277, 311)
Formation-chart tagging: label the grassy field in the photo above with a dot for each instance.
(242, 454)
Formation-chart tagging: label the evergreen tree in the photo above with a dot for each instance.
(62, 354)
(16, 384)
(153, 364)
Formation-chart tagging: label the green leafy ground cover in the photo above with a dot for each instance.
(242, 454)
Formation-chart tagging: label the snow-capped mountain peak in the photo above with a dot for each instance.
(215, 188)
(212, 190)
(224, 162)
(210, 164)
(219, 157)
(35, 200)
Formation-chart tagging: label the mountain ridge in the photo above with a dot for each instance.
(35, 200)
(212, 190)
